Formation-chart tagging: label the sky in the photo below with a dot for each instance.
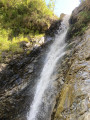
(65, 6)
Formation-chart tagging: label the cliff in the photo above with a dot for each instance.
(18, 79)
(80, 19)
(73, 100)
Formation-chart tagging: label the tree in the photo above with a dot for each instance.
(51, 4)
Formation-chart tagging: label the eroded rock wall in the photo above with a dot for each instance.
(73, 100)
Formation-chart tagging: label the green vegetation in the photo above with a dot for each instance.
(81, 25)
(82, 20)
(51, 4)
(21, 20)
(23, 17)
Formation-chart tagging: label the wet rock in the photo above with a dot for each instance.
(53, 28)
(23, 44)
(62, 16)
(31, 68)
(2, 66)
(73, 101)
(72, 81)
(17, 83)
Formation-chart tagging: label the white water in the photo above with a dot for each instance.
(55, 53)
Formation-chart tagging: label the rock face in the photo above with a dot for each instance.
(75, 14)
(73, 100)
(82, 7)
(80, 19)
(18, 79)
(53, 28)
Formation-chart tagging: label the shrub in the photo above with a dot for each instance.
(24, 17)
(80, 23)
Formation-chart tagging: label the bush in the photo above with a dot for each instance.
(80, 22)
(23, 17)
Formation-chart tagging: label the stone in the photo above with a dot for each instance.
(74, 103)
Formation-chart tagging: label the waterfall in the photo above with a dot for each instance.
(55, 53)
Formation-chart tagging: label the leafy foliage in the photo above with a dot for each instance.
(51, 4)
(82, 20)
(22, 18)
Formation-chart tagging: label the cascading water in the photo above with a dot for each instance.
(55, 53)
